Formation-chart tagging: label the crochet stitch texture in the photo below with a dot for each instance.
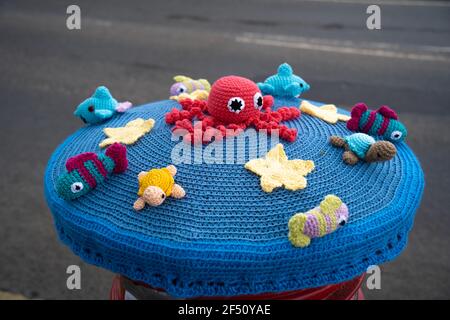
(359, 143)
(157, 177)
(228, 237)
(276, 170)
(129, 133)
(327, 112)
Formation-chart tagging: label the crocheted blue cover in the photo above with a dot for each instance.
(227, 237)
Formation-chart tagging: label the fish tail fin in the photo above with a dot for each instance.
(356, 114)
(296, 234)
(387, 112)
(123, 106)
(205, 83)
(330, 204)
(118, 153)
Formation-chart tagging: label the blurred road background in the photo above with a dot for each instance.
(135, 47)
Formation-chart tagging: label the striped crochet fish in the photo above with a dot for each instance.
(87, 170)
(331, 214)
(187, 85)
(382, 122)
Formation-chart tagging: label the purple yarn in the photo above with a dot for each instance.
(312, 229)
(177, 88)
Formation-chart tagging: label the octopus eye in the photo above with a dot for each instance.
(396, 135)
(91, 108)
(76, 187)
(258, 100)
(236, 104)
(181, 89)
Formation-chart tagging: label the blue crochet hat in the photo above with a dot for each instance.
(227, 236)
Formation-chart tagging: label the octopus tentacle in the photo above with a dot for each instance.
(287, 113)
(190, 110)
(288, 134)
(208, 126)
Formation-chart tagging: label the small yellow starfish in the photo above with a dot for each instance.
(276, 170)
(327, 112)
(128, 134)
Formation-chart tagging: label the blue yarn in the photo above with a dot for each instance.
(284, 84)
(227, 237)
(98, 108)
(359, 143)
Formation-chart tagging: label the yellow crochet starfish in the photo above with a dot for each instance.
(196, 95)
(276, 170)
(129, 134)
(327, 112)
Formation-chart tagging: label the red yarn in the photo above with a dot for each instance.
(356, 114)
(77, 163)
(234, 104)
(370, 121)
(384, 126)
(118, 153)
(387, 112)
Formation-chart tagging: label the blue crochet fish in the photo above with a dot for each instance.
(100, 107)
(284, 84)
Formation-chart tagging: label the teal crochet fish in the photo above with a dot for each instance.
(87, 170)
(284, 84)
(100, 107)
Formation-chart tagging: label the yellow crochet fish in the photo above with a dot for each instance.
(330, 215)
(128, 134)
(276, 170)
(196, 95)
(185, 87)
(327, 112)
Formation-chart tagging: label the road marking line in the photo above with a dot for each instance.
(345, 47)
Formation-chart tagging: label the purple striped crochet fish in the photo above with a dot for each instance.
(382, 122)
(331, 214)
(185, 84)
(86, 170)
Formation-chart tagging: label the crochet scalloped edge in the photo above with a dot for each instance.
(175, 287)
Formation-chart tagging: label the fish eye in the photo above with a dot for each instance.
(258, 100)
(91, 108)
(342, 221)
(236, 104)
(396, 135)
(76, 187)
(181, 89)
(301, 85)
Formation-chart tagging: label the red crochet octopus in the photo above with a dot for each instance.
(234, 104)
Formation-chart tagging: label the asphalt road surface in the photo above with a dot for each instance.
(135, 48)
